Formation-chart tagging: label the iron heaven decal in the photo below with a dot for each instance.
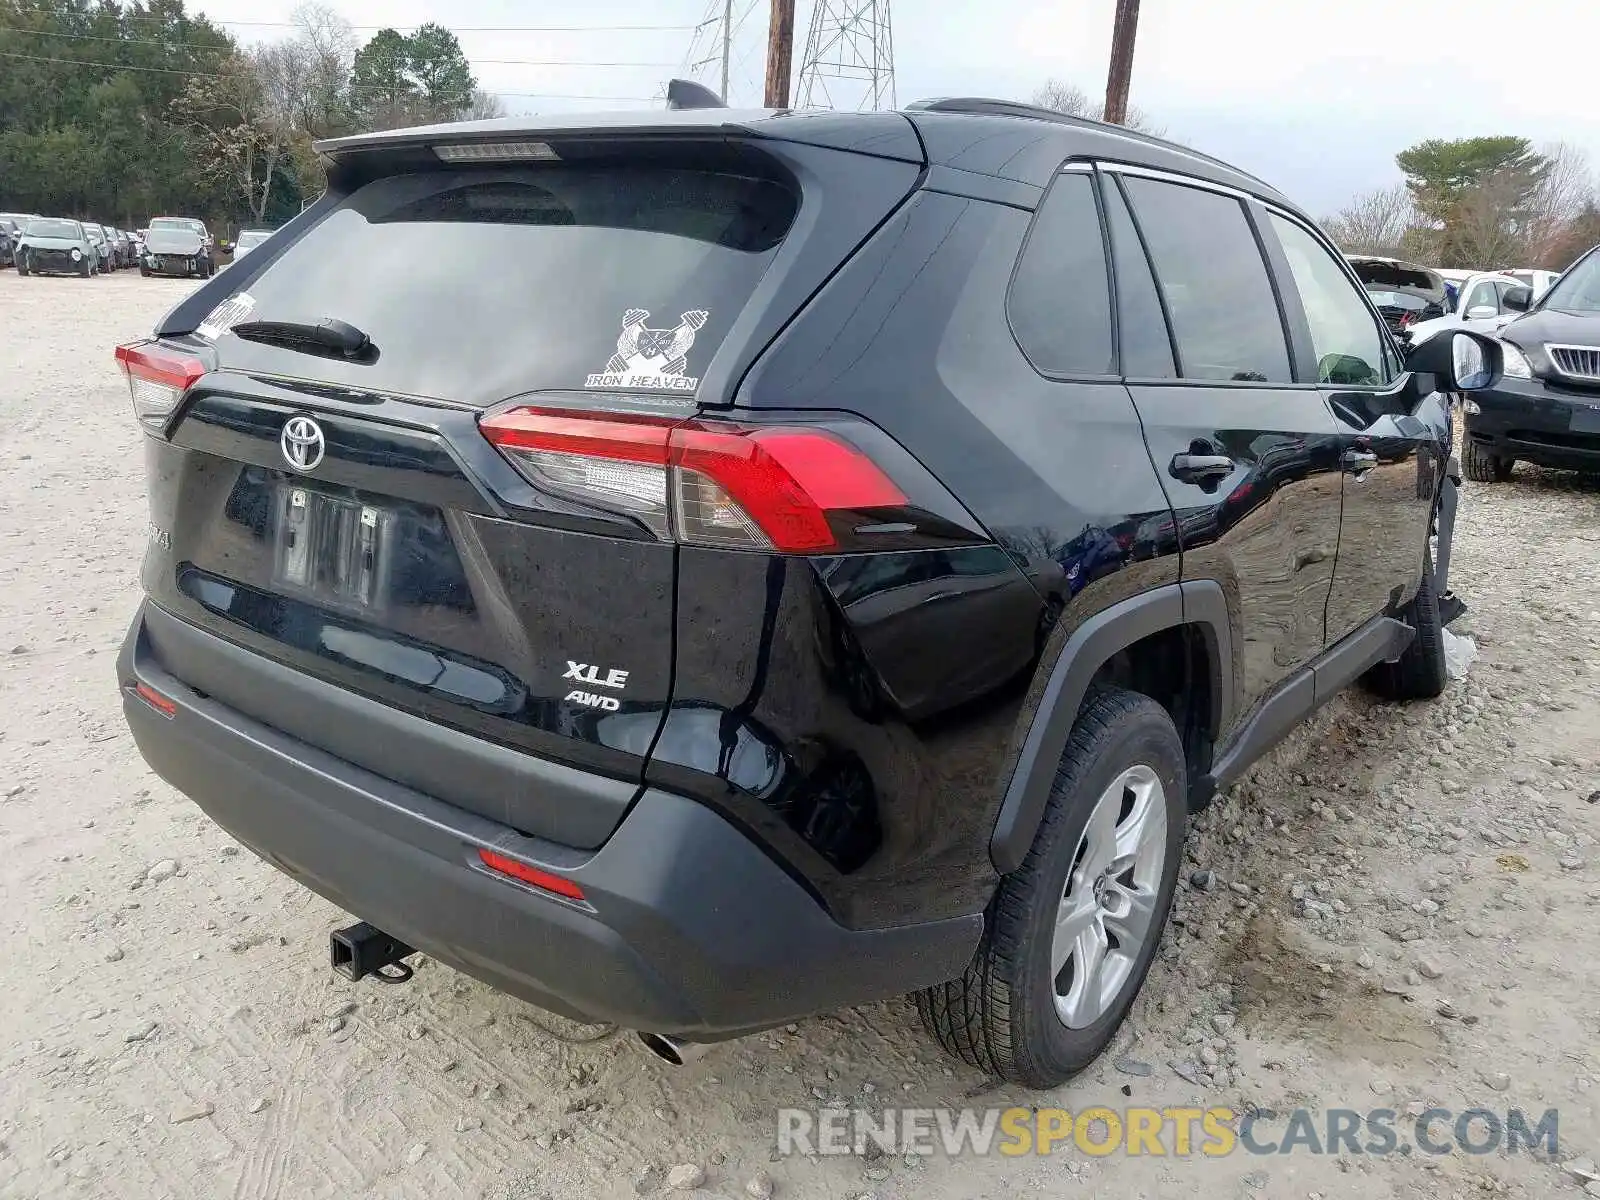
(651, 358)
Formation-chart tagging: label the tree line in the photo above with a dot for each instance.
(1481, 202)
(118, 111)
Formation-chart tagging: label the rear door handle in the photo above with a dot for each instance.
(1358, 462)
(1200, 468)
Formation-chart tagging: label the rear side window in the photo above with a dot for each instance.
(480, 285)
(1146, 344)
(1215, 282)
(1060, 304)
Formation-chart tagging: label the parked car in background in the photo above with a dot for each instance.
(1545, 409)
(249, 239)
(1482, 306)
(14, 221)
(178, 246)
(57, 246)
(1537, 281)
(766, 628)
(122, 247)
(102, 244)
(1404, 293)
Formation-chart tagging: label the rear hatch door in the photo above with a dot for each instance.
(332, 503)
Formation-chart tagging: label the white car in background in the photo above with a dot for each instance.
(1538, 281)
(249, 239)
(1482, 305)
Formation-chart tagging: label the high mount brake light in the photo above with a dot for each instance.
(698, 482)
(157, 379)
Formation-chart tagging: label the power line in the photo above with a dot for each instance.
(111, 66)
(499, 62)
(453, 29)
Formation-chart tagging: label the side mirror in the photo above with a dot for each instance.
(1479, 312)
(1518, 299)
(1461, 360)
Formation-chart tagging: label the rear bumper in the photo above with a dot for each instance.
(687, 927)
(1532, 422)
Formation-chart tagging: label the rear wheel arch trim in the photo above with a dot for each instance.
(1200, 603)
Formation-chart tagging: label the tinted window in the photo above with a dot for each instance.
(479, 285)
(1059, 306)
(1146, 344)
(1211, 272)
(1344, 335)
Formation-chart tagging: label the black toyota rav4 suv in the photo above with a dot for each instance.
(698, 569)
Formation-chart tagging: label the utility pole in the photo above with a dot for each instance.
(1122, 35)
(780, 53)
(727, 44)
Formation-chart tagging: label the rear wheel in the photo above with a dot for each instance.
(1071, 933)
(1482, 467)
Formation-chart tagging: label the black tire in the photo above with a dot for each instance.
(1478, 465)
(1419, 673)
(84, 269)
(1000, 1015)
(144, 271)
(22, 264)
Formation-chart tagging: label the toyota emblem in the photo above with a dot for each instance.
(303, 443)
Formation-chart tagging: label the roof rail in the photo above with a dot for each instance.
(983, 106)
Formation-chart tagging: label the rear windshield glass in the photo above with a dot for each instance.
(480, 285)
(53, 228)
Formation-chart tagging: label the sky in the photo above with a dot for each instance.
(1315, 96)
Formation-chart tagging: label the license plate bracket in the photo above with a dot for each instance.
(332, 548)
(1585, 419)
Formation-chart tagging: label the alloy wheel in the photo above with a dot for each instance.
(1107, 911)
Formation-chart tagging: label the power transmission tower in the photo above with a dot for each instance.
(712, 43)
(849, 58)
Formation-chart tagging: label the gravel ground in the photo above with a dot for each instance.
(1397, 909)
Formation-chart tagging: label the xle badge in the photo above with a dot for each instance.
(652, 359)
(584, 673)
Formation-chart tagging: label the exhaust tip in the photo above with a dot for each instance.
(671, 1050)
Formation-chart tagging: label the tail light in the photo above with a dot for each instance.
(157, 379)
(711, 484)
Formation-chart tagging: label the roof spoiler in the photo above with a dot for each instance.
(686, 93)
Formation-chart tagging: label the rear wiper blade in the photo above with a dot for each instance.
(329, 336)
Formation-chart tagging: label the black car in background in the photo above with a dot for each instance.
(1545, 409)
(834, 562)
(11, 226)
(1402, 292)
